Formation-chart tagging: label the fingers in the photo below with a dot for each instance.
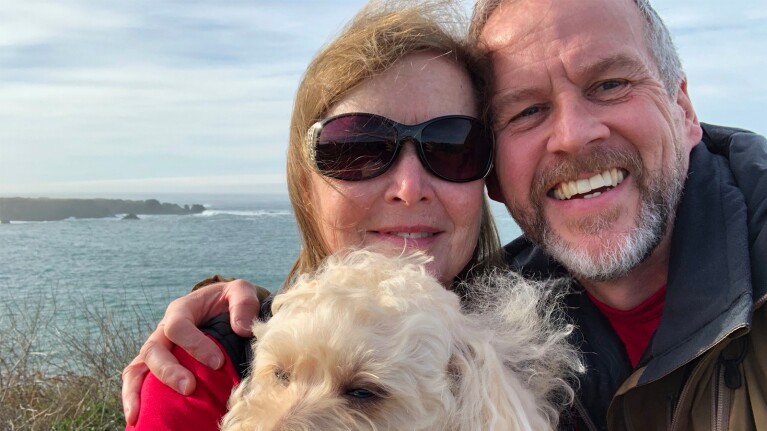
(154, 356)
(158, 357)
(182, 331)
(183, 317)
(180, 326)
(243, 305)
(133, 377)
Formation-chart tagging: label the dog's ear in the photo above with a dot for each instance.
(454, 372)
(486, 391)
(466, 386)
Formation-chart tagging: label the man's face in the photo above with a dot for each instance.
(592, 151)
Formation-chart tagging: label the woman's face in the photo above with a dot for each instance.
(406, 207)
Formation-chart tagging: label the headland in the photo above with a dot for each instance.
(49, 209)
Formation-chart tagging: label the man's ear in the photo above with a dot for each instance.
(493, 187)
(692, 133)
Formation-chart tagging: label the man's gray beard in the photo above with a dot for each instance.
(618, 256)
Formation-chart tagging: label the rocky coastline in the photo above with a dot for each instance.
(49, 209)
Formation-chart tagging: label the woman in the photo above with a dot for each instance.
(385, 149)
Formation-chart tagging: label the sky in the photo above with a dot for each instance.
(104, 97)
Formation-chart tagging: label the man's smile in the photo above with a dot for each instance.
(587, 188)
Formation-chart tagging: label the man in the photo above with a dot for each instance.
(601, 163)
(660, 221)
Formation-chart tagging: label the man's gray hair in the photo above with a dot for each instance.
(656, 33)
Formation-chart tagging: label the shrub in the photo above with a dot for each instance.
(62, 372)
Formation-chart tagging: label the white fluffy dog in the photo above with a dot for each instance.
(375, 343)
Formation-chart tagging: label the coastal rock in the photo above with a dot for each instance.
(46, 209)
(130, 216)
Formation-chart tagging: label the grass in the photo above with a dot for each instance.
(63, 372)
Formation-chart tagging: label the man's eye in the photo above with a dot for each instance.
(609, 85)
(608, 91)
(528, 112)
(512, 119)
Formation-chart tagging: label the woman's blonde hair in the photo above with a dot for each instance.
(379, 35)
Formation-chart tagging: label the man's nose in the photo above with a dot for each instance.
(576, 124)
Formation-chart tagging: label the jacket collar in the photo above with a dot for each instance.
(709, 292)
(747, 156)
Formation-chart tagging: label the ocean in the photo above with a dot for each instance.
(133, 269)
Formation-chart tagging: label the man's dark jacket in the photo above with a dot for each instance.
(717, 277)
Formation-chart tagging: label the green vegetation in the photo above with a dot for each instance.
(54, 376)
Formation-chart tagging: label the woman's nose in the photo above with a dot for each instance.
(409, 182)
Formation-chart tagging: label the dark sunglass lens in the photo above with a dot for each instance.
(457, 149)
(355, 147)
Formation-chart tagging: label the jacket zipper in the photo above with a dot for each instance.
(584, 415)
(720, 401)
(701, 365)
(729, 378)
(670, 409)
(729, 371)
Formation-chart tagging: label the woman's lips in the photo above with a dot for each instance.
(413, 235)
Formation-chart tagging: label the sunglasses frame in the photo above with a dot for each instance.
(405, 132)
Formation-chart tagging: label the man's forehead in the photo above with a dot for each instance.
(516, 24)
(562, 36)
(509, 19)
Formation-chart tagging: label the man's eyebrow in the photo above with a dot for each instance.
(621, 62)
(628, 65)
(513, 96)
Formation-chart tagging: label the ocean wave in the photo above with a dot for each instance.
(244, 213)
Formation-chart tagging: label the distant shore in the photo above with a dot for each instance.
(50, 209)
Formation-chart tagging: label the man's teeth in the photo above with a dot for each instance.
(587, 187)
(412, 235)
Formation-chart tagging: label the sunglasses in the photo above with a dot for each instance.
(359, 146)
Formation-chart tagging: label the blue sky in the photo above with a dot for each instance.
(162, 96)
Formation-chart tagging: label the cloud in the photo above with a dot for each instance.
(34, 22)
(195, 184)
(100, 92)
(719, 46)
(107, 90)
(203, 116)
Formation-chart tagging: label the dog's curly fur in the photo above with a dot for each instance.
(376, 343)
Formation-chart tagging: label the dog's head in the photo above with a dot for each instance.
(375, 343)
(363, 344)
